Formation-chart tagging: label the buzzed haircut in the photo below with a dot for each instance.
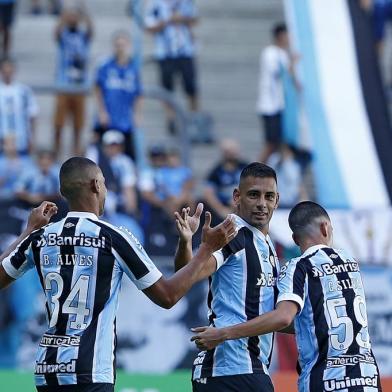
(258, 169)
(304, 214)
(279, 29)
(73, 174)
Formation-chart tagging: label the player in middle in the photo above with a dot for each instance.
(243, 285)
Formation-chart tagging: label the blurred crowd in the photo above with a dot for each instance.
(140, 197)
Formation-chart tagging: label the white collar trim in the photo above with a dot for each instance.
(81, 214)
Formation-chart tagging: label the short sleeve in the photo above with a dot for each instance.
(291, 283)
(20, 260)
(234, 246)
(133, 259)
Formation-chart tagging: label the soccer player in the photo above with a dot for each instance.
(243, 285)
(80, 261)
(322, 291)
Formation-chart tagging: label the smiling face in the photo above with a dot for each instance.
(256, 199)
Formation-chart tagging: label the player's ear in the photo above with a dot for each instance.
(295, 239)
(277, 200)
(236, 196)
(324, 228)
(94, 185)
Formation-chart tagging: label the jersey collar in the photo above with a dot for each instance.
(313, 249)
(80, 214)
(241, 222)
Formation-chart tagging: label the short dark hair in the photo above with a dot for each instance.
(74, 171)
(303, 214)
(279, 29)
(258, 169)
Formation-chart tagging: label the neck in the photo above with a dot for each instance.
(122, 59)
(305, 245)
(84, 206)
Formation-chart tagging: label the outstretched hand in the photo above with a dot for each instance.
(217, 237)
(41, 215)
(207, 338)
(186, 224)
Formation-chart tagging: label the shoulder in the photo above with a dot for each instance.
(118, 234)
(105, 62)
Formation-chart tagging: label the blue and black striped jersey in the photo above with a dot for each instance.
(331, 327)
(243, 287)
(80, 262)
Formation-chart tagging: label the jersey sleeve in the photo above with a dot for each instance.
(133, 259)
(234, 246)
(292, 282)
(20, 260)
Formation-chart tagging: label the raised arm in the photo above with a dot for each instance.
(207, 338)
(167, 292)
(38, 217)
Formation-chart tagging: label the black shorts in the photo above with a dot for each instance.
(97, 387)
(6, 14)
(273, 128)
(183, 66)
(239, 383)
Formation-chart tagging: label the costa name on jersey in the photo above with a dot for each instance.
(331, 326)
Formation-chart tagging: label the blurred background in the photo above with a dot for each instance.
(172, 98)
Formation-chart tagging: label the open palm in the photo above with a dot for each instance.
(186, 224)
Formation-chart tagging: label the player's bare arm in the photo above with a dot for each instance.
(167, 292)
(208, 337)
(39, 216)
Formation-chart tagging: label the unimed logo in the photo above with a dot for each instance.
(333, 385)
(140, 390)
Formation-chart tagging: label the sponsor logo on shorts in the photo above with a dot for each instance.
(61, 367)
(335, 385)
(59, 341)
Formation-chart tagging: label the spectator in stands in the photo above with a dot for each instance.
(381, 11)
(288, 172)
(7, 9)
(73, 34)
(124, 172)
(40, 182)
(224, 177)
(168, 184)
(54, 7)
(11, 165)
(275, 59)
(119, 93)
(18, 109)
(171, 23)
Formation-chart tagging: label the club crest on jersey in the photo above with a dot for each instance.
(272, 260)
